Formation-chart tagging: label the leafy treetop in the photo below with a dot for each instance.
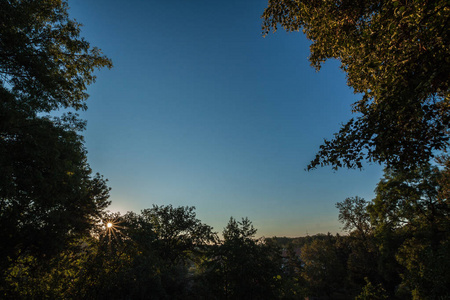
(47, 192)
(396, 54)
(43, 60)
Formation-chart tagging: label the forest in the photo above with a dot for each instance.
(59, 241)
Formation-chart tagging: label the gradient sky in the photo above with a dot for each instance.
(201, 110)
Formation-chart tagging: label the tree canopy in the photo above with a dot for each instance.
(396, 54)
(43, 60)
(411, 217)
(242, 267)
(47, 191)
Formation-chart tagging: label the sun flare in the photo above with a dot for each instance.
(112, 229)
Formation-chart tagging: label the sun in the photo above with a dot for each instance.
(111, 224)
(112, 229)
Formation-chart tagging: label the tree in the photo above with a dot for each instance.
(324, 270)
(128, 260)
(412, 223)
(395, 53)
(179, 232)
(123, 262)
(363, 254)
(47, 192)
(411, 199)
(371, 292)
(241, 267)
(353, 214)
(169, 242)
(44, 62)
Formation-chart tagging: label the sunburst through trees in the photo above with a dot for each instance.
(111, 228)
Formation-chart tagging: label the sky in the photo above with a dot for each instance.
(201, 110)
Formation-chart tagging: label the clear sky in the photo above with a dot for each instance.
(201, 110)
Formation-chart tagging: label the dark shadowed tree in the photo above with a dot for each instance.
(242, 267)
(372, 292)
(125, 261)
(363, 256)
(324, 270)
(48, 194)
(179, 232)
(44, 62)
(152, 256)
(412, 207)
(354, 215)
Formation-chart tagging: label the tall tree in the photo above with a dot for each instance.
(47, 191)
(412, 223)
(353, 214)
(44, 62)
(46, 188)
(396, 54)
(363, 255)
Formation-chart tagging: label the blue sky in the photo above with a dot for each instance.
(201, 110)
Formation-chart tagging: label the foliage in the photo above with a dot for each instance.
(48, 196)
(133, 262)
(353, 214)
(363, 255)
(293, 284)
(52, 221)
(409, 207)
(395, 53)
(127, 261)
(47, 193)
(241, 267)
(178, 230)
(371, 292)
(324, 270)
(150, 255)
(44, 62)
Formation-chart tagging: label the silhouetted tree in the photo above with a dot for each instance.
(363, 254)
(44, 63)
(324, 270)
(241, 267)
(411, 216)
(48, 195)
